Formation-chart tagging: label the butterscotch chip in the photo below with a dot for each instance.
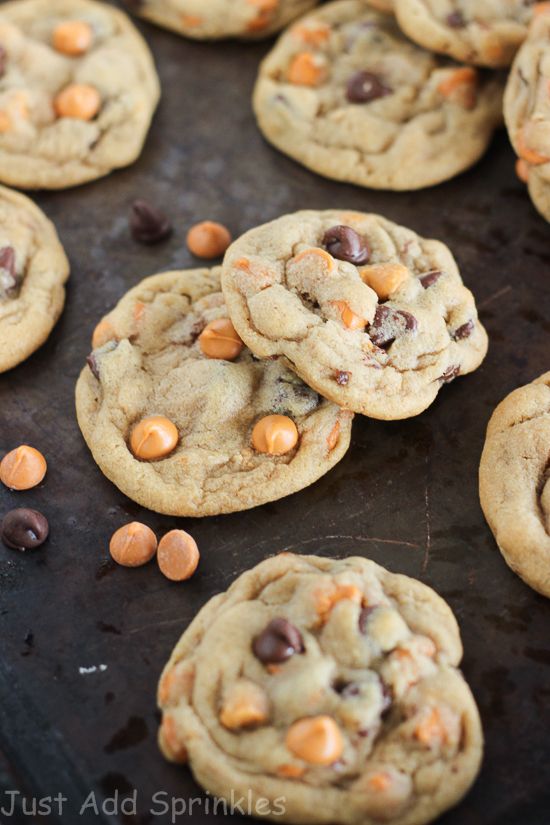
(78, 101)
(208, 239)
(133, 544)
(178, 555)
(73, 37)
(153, 437)
(23, 468)
(275, 434)
(219, 340)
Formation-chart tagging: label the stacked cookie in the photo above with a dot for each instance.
(196, 402)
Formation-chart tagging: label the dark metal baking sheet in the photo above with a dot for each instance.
(405, 495)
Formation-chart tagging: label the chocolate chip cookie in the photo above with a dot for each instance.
(33, 271)
(482, 32)
(368, 313)
(347, 95)
(324, 691)
(78, 92)
(514, 481)
(183, 418)
(215, 19)
(527, 110)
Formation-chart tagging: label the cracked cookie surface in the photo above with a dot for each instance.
(345, 93)
(514, 481)
(380, 335)
(331, 685)
(482, 32)
(78, 89)
(527, 111)
(215, 19)
(33, 272)
(149, 361)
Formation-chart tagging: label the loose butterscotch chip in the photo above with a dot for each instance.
(23, 468)
(178, 555)
(153, 437)
(208, 239)
(133, 544)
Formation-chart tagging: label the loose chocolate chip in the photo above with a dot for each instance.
(389, 324)
(278, 642)
(364, 615)
(342, 377)
(148, 224)
(363, 87)
(24, 529)
(456, 20)
(430, 278)
(450, 374)
(346, 244)
(464, 331)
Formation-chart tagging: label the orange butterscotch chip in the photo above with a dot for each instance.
(103, 333)
(530, 156)
(191, 21)
(379, 781)
(522, 170)
(245, 705)
(349, 319)
(326, 599)
(306, 70)
(384, 278)
(79, 101)
(315, 739)
(208, 239)
(133, 544)
(73, 37)
(460, 86)
(170, 742)
(274, 435)
(315, 252)
(312, 35)
(541, 8)
(266, 9)
(23, 468)
(153, 437)
(219, 339)
(333, 436)
(431, 730)
(290, 771)
(178, 555)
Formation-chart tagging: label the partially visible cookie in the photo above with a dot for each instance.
(348, 95)
(186, 421)
(514, 481)
(33, 271)
(328, 689)
(386, 6)
(482, 32)
(78, 92)
(216, 19)
(527, 110)
(367, 312)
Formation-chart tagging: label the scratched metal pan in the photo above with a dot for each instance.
(405, 494)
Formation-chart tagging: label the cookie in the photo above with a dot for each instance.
(482, 32)
(382, 5)
(329, 690)
(527, 110)
(368, 313)
(184, 420)
(347, 95)
(33, 271)
(514, 481)
(78, 92)
(215, 19)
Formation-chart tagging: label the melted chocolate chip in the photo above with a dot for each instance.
(464, 331)
(342, 377)
(148, 224)
(389, 324)
(455, 20)
(450, 374)
(430, 278)
(91, 360)
(278, 642)
(364, 615)
(24, 529)
(346, 244)
(363, 87)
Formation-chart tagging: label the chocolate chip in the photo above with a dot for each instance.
(148, 224)
(91, 360)
(342, 377)
(24, 529)
(364, 615)
(350, 690)
(456, 20)
(450, 374)
(389, 324)
(346, 244)
(464, 331)
(3, 60)
(278, 642)
(430, 278)
(363, 87)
